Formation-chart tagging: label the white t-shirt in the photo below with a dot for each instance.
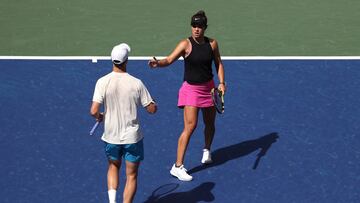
(121, 94)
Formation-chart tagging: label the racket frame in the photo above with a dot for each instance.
(96, 125)
(215, 92)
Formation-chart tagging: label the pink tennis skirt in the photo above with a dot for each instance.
(196, 95)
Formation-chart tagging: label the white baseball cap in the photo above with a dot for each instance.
(120, 53)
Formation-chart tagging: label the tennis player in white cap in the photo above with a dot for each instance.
(121, 94)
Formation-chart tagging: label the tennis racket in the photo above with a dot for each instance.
(94, 128)
(96, 125)
(218, 99)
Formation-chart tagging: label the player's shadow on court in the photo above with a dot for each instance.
(197, 194)
(222, 155)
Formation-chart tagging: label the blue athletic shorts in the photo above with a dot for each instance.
(131, 152)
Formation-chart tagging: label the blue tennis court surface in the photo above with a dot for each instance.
(290, 133)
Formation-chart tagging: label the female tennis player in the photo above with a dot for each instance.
(198, 52)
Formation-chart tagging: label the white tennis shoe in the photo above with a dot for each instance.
(206, 159)
(181, 173)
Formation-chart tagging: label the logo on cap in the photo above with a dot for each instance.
(198, 21)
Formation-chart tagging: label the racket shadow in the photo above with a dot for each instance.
(223, 155)
(197, 194)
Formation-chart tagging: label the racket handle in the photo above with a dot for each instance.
(94, 128)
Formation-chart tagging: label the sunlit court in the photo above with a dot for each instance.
(289, 134)
(289, 131)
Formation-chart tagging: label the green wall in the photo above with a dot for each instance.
(154, 27)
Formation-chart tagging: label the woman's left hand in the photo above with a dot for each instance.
(222, 88)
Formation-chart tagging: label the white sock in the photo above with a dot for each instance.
(112, 196)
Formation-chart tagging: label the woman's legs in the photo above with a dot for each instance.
(209, 115)
(190, 122)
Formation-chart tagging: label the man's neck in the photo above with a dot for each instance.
(119, 70)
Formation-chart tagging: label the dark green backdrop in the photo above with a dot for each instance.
(154, 27)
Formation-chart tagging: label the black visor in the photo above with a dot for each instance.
(198, 21)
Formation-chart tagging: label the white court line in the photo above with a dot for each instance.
(95, 58)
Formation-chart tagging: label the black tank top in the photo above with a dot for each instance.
(198, 64)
